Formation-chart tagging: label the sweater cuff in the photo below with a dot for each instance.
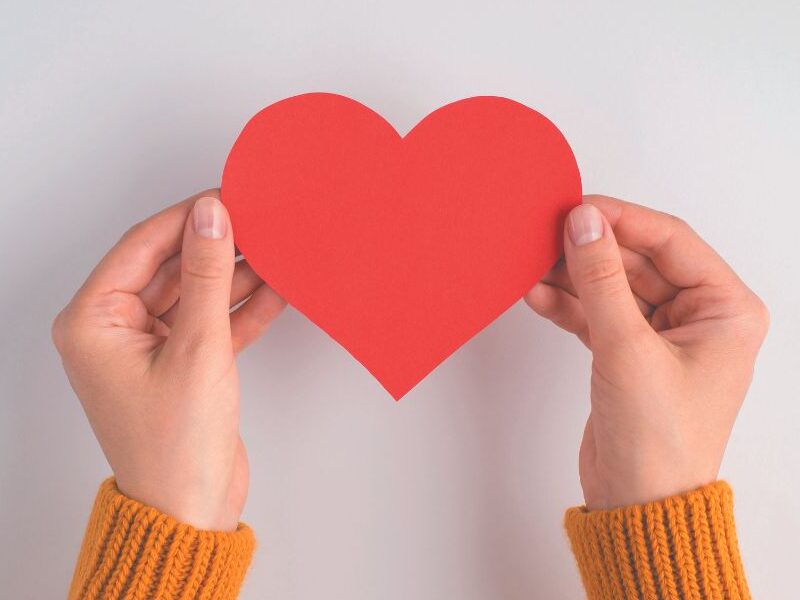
(684, 547)
(134, 551)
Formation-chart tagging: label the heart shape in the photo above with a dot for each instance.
(400, 247)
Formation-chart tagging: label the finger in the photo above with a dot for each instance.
(680, 255)
(207, 264)
(595, 267)
(245, 282)
(560, 307)
(660, 319)
(158, 327)
(697, 305)
(559, 277)
(646, 282)
(164, 288)
(162, 295)
(253, 317)
(133, 261)
(644, 307)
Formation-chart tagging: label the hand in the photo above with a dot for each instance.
(148, 344)
(674, 334)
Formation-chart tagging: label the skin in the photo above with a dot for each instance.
(149, 344)
(674, 335)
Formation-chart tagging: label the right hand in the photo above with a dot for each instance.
(674, 335)
(148, 344)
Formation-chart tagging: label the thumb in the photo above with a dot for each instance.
(207, 261)
(596, 270)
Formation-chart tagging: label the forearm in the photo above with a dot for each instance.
(681, 548)
(135, 552)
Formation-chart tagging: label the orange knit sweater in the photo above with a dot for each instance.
(681, 548)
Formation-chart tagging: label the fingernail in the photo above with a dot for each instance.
(209, 218)
(585, 224)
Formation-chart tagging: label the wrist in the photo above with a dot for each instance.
(655, 487)
(202, 508)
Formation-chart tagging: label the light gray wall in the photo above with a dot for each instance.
(109, 111)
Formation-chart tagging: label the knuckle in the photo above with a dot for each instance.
(602, 272)
(205, 267)
(57, 330)
(675, 223)
(135, 230)
(759, 315)
(65, 329)
(121, 308)
(141, 234)
(678, 222)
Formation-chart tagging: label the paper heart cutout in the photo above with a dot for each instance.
(400, 247)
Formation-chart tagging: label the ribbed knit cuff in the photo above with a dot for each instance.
(681, 548)
(135, 552)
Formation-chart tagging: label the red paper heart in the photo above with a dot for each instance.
(400, 248)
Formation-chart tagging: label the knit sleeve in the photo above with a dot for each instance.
(135, 552)
(681, 548)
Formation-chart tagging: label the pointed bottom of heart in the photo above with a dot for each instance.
(399, 372)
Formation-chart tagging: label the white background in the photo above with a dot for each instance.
(110, 111)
